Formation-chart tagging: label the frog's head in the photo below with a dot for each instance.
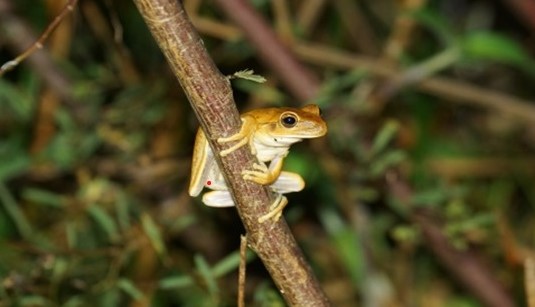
(304, 123)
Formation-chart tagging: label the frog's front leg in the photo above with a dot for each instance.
(244, 136)
(263, 175)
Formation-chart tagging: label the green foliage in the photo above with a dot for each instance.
(499, 48)
(347, 244)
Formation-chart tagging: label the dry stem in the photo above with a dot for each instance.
(69, 7)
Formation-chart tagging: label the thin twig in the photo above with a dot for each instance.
(69, 7)
(308, 15)
(18, 36)
(357, 26)
(529, 280)
(242, 271)
(456, 91)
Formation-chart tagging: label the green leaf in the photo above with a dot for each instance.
(19, 102)
(385, 136)
(59, 269)
(206, 272)
(430, 198)
(267, 296)
(128, 286)
(230, 263)
(153, 232)
(15, 212)
(122, 209)
(43, 197)
(248, 74)
(105, 221)
(33, 301)
(14, 166)
(475, 222)
(406, 234)
(386, 161)
(346, 242)
(499, 48)
(175, 282)
(71, 234)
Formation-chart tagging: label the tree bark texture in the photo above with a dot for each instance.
(210, 95)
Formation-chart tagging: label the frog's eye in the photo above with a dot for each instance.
(288, 120)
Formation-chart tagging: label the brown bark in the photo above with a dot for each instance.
(210, 95)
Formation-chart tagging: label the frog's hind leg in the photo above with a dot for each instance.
(218, 199)
(275, 210)
(288, 182)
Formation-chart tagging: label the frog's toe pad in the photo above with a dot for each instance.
(275, 209)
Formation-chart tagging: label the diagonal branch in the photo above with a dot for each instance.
(211, 98)
(299, 80)
(18, 36)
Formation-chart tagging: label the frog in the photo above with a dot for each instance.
(269, 134)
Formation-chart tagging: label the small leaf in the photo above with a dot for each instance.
(385, 135)
(15, 212)
(230, 263)
(153, 232)
(14, 166)
(346, 243)
(175, 282)
(248, 74)
(406, 234)
(128, 286)
(430, 198)
(499, 48)
(206, 272)
(33, 300)
(122, 208)
(105, 221)
(44, 197)
(17, 100)
(386, 161)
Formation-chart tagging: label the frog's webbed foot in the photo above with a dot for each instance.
(244, 136)
(275, 210)
(260, 174)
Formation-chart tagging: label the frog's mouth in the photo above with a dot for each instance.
(278, 141)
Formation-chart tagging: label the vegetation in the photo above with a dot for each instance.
(420, 194)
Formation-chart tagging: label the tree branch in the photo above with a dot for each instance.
(299, 80)
(210, 95)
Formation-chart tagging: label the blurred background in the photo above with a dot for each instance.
(421, 194)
